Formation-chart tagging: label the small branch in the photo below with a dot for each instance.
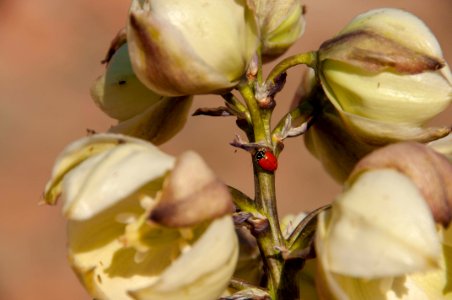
(255, 114)
(242, 201)
(306, 227)
(309, 58)
(238, 142)
(232, 101)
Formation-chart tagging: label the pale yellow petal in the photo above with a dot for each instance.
(108, 177)
(203, 272)
(118, 92)
(381, 226)
(76, 153)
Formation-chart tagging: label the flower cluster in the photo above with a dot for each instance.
(134, 234)
(146, 225)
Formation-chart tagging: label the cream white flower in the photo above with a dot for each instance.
(140, 111)
(182, 47)
(380, 240)
(133, 234)
(386, 76)
(281, 23)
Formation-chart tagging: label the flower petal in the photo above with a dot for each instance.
(76, 153)
(203, 272)
(106, 178)
(381, 226)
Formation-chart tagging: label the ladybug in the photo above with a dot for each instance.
(266, 160)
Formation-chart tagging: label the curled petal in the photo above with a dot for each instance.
(203, 272)
(108, 177)
(78, 152)
(98, 171)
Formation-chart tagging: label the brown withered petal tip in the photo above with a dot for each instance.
(203, 205)
(119, 40)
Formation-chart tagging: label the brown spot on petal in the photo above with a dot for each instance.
(430, 171)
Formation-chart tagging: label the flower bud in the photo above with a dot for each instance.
(190, 47)
(110, 186)
(140, 111)
(386, 76)
(281, 23)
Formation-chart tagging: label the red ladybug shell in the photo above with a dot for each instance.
(266, 160)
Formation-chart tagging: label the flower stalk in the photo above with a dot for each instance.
(308, 58)
(258, 100)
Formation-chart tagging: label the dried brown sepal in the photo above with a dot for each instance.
(376, 53)
(119, 40)
(191, 195)
(214, 112)
(249, 294)
(429, 170)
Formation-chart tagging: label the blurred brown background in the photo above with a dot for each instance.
(49, 54)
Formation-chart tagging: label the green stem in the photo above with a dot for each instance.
(259, 70)
(255, 113)
(271, 239)
(309, 58)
